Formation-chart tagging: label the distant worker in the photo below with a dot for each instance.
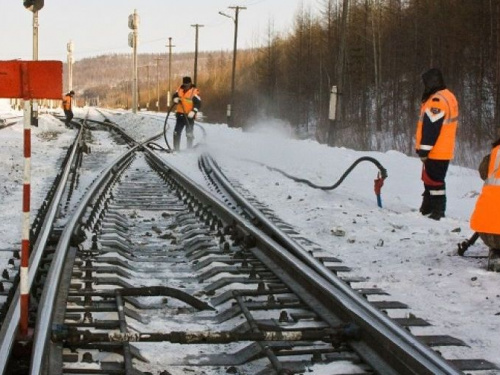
(485, 219)
(68, 107)
(188, 103)
(435, 141)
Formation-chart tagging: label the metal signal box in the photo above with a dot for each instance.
(31, 79)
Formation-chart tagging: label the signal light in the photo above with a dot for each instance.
(33, 5)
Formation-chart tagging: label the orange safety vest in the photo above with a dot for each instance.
(186, 98)
(67, 102)
(485, 218)
(444, 147)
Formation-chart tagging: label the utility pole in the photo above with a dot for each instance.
(133, 23)
(158, 83)
(70, 65)
(197, 26)
(497, 102)
(339, 74)
(230, 107)
(169, 94)
(148, 85)
(127, 90)
(149, 91)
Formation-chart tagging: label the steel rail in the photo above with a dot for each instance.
(319, 276)
(300, 268)
(4, 123)
(46, 308)
(10, 325)
(369, 318)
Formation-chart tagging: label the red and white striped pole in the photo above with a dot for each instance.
(29, 110)
(25, 241)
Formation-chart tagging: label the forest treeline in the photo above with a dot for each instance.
(373, 51)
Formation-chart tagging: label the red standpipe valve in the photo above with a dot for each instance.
(378, 183)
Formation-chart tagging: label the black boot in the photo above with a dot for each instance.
(426, 207)
(438, 203)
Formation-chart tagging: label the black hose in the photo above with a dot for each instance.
(165, 127)
(383, 173)
(155, 146)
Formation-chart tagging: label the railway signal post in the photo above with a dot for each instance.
(28, 80)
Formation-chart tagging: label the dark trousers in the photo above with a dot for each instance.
(434, 196)
(69, 116)
(491, 240)
(433, 176)
(181, 122)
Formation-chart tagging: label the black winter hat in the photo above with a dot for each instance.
(433, 82)
(186, 80)
(433, 78)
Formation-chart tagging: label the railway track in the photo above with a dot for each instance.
(149, 273)
(9, 121)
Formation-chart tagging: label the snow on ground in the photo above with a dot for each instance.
(49, 142)
(409, 256)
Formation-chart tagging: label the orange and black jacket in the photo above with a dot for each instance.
(190, 99)
(485, 218)
(67, 102)
(437, 126)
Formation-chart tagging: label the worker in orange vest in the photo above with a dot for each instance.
(485, 219)
(68, 107)
(435, 141)
(188, 103)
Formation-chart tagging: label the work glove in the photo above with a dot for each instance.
(423, 154)
(191, 114)
(177, 100)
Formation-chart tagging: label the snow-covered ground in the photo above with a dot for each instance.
(409, 256)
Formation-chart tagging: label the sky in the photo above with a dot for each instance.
(409, 256)
(98, 27)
